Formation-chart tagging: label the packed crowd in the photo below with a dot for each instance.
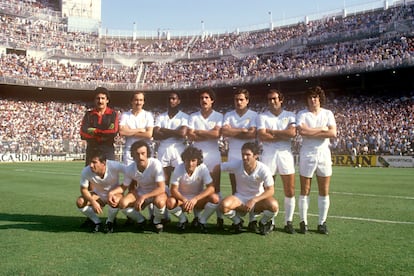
(371, 125)
(314, 60)
(309, 59)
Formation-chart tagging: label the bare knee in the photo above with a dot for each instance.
(214, 198)
(123, 203)
(81, 202)
(225, 206)
(171, 203)
(274, 207)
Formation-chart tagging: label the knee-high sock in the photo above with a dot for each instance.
(158, 214)
(268, 215)
(289, 208)
(233, 216)
(303, 208)
(133, 214)
(90, 213)
(209, 209)
(252, 216)
(196, 213)
(323, 206)
(151, 209)
(219, 214)
(178, 212)
(112, 212)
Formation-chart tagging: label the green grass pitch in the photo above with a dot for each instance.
(371, 223)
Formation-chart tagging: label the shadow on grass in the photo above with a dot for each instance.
(46, 223)
(61, 224)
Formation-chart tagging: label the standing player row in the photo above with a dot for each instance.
(274, 129)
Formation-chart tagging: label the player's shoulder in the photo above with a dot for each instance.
(131, 168)
(303, 111)
(289, 113)
(217, 113)
(182, 114)
(252, 113)
(154, 162)
(230, 113)
(327, 111)
(202, 167)
(114, 163)
(263, 167)
(86, 171)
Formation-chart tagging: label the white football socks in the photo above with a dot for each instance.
(158, 214)
(268, 215)
(178, 212)
(233, 216)
(133, 214)
(303, 208)
(323, 206)
(209, 209)
(290, 203)
(112, 212)
(90, 213)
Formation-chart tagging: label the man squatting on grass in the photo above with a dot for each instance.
(254, 190)
(103, 175)
(150, 188)
(192, 189)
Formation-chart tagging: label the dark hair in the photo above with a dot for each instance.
(136, 93)
(278, 92)
(243, 91)
(175, 93)
(251, 146)
(96, 152)
(139, 144)
(316, 91)
(192, 152)
(103, 90)
(210, 92)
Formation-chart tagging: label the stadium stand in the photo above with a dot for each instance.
(38, 50)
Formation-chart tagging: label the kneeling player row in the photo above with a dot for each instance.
(192, 189)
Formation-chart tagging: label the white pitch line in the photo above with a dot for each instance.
(363, 219)
(45, 172)
(372, 195)
(367, 195)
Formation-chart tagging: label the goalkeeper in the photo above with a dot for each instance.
(100, 126)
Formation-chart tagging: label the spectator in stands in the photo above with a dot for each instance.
(100, 126)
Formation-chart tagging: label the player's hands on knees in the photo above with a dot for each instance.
(113, 200)
(188, 205)
(96, 207)
(139, 203)
(249, 205)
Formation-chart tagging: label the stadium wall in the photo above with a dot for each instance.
(337, 160)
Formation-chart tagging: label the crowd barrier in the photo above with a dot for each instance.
(337, 160)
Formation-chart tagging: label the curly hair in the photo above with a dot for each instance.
(316, 91)
(139, 144)
(191, 153)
